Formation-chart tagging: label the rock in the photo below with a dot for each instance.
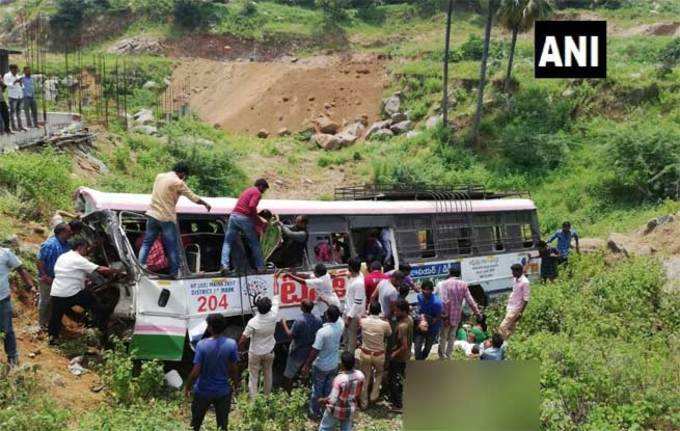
(398, 117)
(382, 134)
(672, 268)
(615, 243)
(412, 134)
(346, 139)
(57, 380)
(283, 132)
(144, 116)
(150, 85)
(621, 244)
(145, 130)
(327, 106)
(263, 134)
(326, 141)
(356, 129)
(326, 125)
(432, 121)
(392, 104)
(591, 245)
(136, 45)
(375, 127)
(402, 127)
(656, 222)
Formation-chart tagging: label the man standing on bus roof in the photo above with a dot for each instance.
(161, 218)
(243, 219)
(564, 237)
(355, 303)
(215, 363)
(50, 250)
(453, 292)
(517, 302)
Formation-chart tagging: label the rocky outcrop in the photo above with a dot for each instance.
(136, 45)
(325, 124)
(392, 105)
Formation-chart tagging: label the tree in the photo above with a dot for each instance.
(519, 16)
(447, 44)
(491, 7)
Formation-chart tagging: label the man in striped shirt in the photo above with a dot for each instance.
(453, 292)
(344, 397)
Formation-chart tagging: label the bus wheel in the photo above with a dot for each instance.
(479, 295)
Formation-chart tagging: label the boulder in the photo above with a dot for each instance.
(382, 134)
(356, 129)
(283, 132)
(432, 121)
(401, 127)
(412, 134)
(591, 245)
(656, 222)
(621, 244)
(143, 117)
(392, 105)
(346, 139)
(375, 127)
(398, 117)
(150, 85)
(326, 141)
(263, 134)
(145, 129)
(326, 125)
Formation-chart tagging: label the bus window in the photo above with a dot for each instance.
(415, 238)
(202, 240)
(374, 243)
(330, 248)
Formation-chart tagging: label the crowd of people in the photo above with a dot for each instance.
(21, 91)
(349, 353)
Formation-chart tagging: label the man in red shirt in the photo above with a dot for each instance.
(372, 279)
(243, 220)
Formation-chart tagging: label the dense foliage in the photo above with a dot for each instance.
(605, 336)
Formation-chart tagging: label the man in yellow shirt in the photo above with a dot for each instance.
(161, 218)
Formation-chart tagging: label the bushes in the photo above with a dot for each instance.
(280, 411)
(644, 161)
(601, 337)
(43, 179)
(191, 14)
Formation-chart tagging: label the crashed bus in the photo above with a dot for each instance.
(431, 228)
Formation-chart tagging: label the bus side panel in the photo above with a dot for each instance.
(159, 337)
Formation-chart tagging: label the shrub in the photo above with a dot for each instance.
(333, 10)
(191, 14)
(644, 159)
(279, 411)
(42, 178)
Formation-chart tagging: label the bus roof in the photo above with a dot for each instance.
(95, 200)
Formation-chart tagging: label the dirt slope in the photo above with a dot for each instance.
(245, 96)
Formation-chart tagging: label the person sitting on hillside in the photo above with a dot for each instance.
(162, 217)
(243, 220)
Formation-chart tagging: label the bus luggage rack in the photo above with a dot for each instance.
(408, 192)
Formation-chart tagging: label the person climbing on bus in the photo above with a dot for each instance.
(161, 217)
(243, 220)
(50, 250)
(291, 252)
(322, 283)
(564, 238)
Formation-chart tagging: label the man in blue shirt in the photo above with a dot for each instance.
(50, 251)
(324, 356)
(8, 263)
(429, 320)
(303, 334)
(564, 238)
(30, 105)
(214, 364)
(493, 349)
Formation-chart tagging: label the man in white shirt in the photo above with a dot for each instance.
(68, 288)
(322, 283)
(260, 330)
(387, 293)
(355, 304)
(16, 94)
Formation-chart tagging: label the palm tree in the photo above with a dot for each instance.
(519, 16)
(447, 44)
(491, 6)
